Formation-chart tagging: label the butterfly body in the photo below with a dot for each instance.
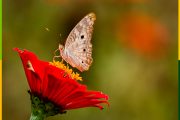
(78, 48)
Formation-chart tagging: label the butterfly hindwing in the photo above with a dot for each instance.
(78, 43)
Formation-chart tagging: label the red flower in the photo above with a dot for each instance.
(51, 83)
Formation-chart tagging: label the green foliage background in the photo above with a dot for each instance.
(139, 88)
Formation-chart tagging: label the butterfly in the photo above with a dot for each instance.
(77, 50)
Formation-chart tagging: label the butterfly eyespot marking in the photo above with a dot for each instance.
(82, 36)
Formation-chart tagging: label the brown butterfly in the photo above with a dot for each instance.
(78, 48)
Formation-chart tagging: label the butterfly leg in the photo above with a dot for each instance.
(55, 56)
(55, 52)
(67, 65)
(62, 60)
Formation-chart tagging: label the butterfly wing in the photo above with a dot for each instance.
(78, 45)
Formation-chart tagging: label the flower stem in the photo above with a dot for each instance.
(37, 109)
(41, 109)
(36, 117)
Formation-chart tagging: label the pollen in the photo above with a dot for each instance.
(69, 71)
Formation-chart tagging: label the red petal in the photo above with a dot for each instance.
(34, 77)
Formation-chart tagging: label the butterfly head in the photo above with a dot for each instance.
(61, 47)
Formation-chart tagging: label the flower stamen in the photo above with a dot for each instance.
(69, 71)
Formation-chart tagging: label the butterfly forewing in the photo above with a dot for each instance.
(78, 45)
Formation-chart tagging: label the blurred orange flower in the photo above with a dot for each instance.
(133, 1)
(67, 2)
(143, 34)
(63, 2)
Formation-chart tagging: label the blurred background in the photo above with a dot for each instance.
(134, 52)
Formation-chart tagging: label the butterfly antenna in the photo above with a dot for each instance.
(47, 29)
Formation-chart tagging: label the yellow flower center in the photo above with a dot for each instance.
(69, 71)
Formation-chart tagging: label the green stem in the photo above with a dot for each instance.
(41, 109)
(37, 109)
(36, 117)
